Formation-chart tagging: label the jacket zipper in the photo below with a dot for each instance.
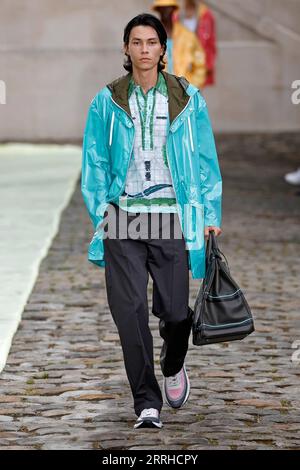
(168, 155)
(122, 189)
(167, 142)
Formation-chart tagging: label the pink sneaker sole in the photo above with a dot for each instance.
(182, 400)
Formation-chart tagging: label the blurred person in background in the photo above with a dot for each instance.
(185, 55)
(199, 19)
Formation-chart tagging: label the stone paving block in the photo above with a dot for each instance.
(65, 386)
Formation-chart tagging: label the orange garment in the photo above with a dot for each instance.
(188, 55)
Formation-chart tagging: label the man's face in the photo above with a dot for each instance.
(165, 13)
(144, 47)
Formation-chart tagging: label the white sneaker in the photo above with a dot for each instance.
(293, 177)
(149, 418)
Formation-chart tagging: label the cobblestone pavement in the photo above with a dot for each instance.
(64, 386)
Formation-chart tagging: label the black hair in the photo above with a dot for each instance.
(145, 19)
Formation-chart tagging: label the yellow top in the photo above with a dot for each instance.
(188, 55)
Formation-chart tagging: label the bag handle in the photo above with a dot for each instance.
(208, 253)
(213, 249)
(211, 245)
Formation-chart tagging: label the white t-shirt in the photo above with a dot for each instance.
(190, 23)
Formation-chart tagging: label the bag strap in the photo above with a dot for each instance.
(213, 248)
(208, 252)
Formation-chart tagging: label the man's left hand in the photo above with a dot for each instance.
(217, 230)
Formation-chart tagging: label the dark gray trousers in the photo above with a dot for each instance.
(128, 264)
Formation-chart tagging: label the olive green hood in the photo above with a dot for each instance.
(177, 91)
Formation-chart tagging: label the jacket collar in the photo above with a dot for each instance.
(177, 91)
(160, 86)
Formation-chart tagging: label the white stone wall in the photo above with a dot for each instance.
(55, 55)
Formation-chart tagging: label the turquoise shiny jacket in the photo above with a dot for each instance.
(193, 162)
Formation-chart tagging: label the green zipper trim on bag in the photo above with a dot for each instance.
(221, 296)
(227, 325)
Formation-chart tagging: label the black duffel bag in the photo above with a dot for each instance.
(221, 312)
